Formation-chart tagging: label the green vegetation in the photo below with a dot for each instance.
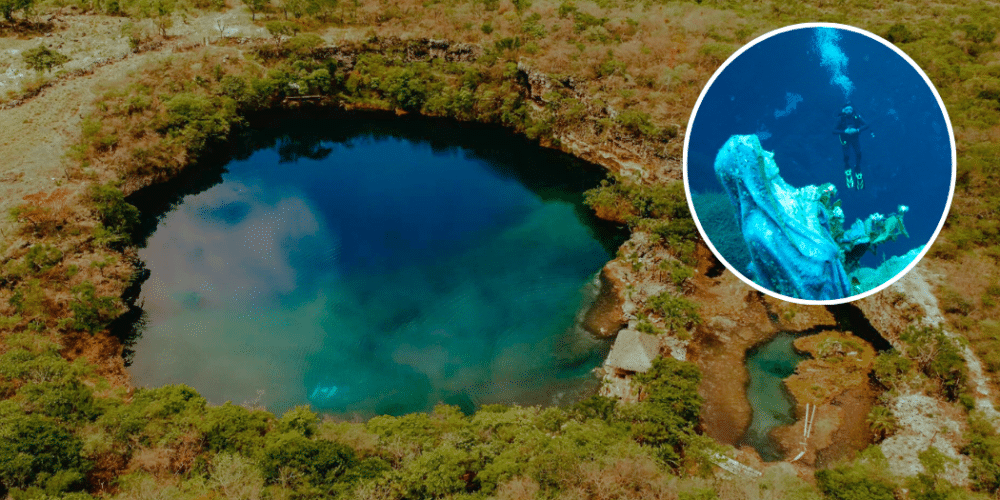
(984, 449)
(658, 209)
(91, 312)
(667, 418)
(677, 272)
(938, 356)
(678, 312)
(864, 479)
(8, 7)
(42, 59)
(117, 217)
(882, 422)
(891, 368)
(57, 431)
(929, 485)
(619, 73)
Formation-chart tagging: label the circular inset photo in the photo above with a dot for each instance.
(819, 163)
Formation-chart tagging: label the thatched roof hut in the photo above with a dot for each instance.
(633, 351)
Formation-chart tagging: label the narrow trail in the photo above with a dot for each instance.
(36, 135)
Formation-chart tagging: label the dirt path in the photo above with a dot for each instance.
(36, 135)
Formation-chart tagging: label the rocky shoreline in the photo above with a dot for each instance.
(736, 317)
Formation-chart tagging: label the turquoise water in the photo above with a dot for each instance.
(368, 267)
(769, 364)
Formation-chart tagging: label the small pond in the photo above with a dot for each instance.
(769, 365)
(369, 266)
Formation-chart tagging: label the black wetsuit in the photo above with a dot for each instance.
(850, 141)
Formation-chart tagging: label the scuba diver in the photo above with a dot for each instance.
(849, 128)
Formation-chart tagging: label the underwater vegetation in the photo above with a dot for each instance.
(798, 244)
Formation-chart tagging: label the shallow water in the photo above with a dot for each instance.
(368, 267)
(768, 366)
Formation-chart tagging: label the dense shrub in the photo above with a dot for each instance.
(155, 416)
(882, 422)
(118, 218)
(36, 451)
(198, 120)
(8, 7)
(938, 356)
(39, 365)
(929, 483)
(890, 368)
(233, 428)
(983, 447)
(863, 479)
(299, 419)
(668, 415)
(318, 462)
(66, 401)
(678, 312)
(91, 312)
(41, 58)
(41, 258)
(899, 33)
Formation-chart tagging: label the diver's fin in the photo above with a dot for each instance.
(861, 182)
(850, 178)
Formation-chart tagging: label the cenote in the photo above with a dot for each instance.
(769, 365)
(373, 266)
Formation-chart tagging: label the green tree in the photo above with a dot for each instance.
(316, 462)
(938, 356)
(155, 416)
(984, 449)
(929, 485)
(882, 422)
(669, 413)
(118, 217)
(255, 6)
(299, 419)
(864, 479)
(8, 7)
(91, 312)
(234, 428)
(161, 12)
(35, 451)
(68, 402)
(678, 312)
(521, 5)
(890, 367)
(438, 473)
(281, 29)
(43, 59)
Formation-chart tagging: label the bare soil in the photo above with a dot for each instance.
(736, 318)
(36, 135)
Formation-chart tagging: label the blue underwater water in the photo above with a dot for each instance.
(788, 91)
(366, 267)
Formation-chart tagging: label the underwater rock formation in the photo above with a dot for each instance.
(795, 236)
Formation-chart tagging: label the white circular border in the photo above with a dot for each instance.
(951, 190)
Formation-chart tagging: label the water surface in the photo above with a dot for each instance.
(769, 365)
(367, 267)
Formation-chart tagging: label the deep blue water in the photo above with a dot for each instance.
(366, 267)
(780, 90)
